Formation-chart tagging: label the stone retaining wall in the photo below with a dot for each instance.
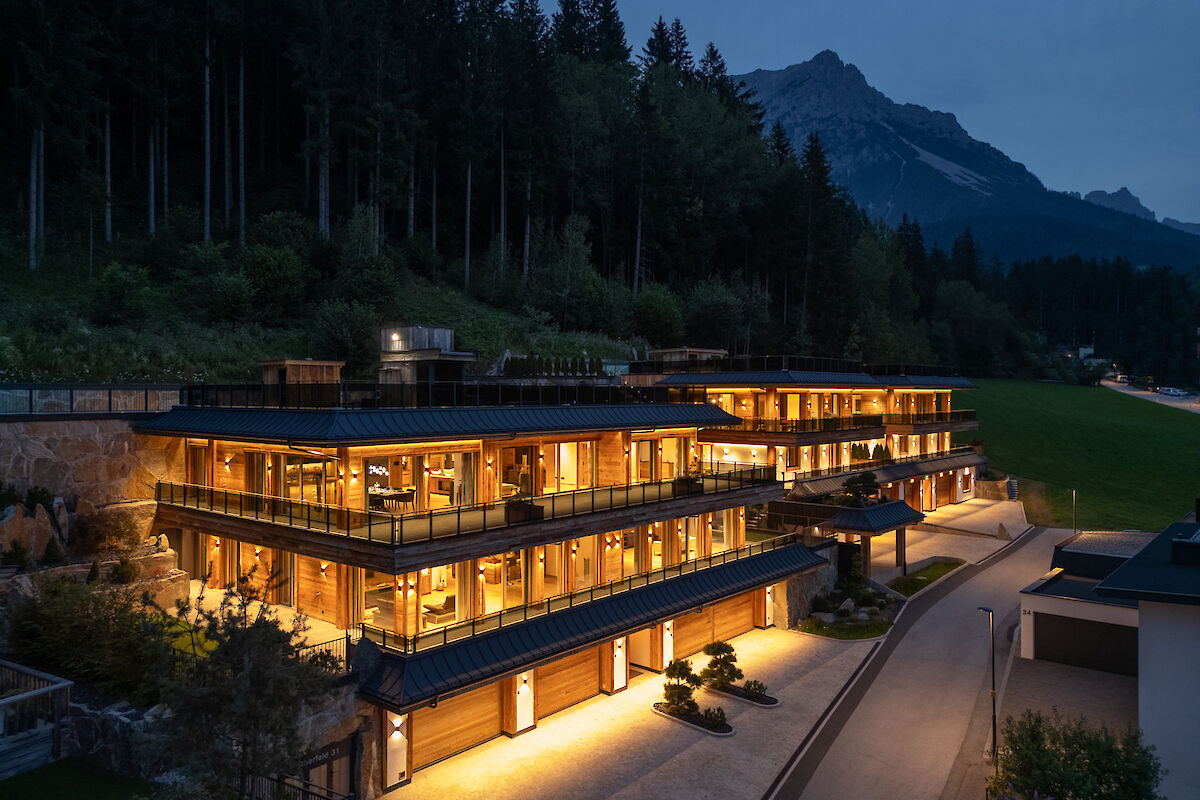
(992, 490)
(803, 589)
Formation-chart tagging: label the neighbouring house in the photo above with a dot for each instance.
(1129, 602)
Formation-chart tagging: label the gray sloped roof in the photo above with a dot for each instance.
(402, 681)
(772, 378)
(821, 486)
(874, 519)
(925, 382)
(360, 426)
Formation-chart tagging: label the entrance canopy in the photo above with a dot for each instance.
(873, 520)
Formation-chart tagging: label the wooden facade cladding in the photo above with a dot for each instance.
(716, 623)
(946, 426)
(567, 681)
(412, 556)
(455, 724)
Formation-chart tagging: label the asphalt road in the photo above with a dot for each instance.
(898, 730)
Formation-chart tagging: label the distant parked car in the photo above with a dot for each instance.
(1122, 379)
(1171, 391)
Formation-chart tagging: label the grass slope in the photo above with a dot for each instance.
(1135, 464)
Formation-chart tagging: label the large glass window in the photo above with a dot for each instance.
(516, 470)
(567, 466)
(674, 457)
(311, 478)
(644, 450)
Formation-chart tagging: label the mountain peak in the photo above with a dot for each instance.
(1120, 200)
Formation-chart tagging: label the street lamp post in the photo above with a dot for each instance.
(1074, 525)
(992, 644)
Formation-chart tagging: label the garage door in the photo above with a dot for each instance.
(733, 617)
(567, 681)
(1084, 643)
(692, 632)
(455, 724)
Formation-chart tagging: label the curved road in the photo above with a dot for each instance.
(898, 730)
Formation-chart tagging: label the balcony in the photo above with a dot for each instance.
(796, 432)
(398, 543)
(821, 482)
(932, 422)
(434, 394)
(513, 616)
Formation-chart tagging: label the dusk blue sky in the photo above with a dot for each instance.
(1088, 94)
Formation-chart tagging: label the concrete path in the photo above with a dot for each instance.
(616, 747)
(920, 545)
(980, 516)
(1189, 403)
(898, 731)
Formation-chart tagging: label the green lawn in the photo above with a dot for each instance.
(908, 585)
(72, 779)
(1136, 464)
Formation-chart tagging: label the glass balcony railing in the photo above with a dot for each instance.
(828, 425)
(512, 616)
(424, 526)
(864, 466)
(932, 417)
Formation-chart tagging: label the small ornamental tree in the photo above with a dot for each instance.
(722, 670)
(1073, 761)
(680, 686)
(237, 714)
(861, 488)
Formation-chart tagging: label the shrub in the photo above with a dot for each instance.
(1073, 761)
(125, 571)
(94, 572)
(843, 612)
(713, 719)
(53, 553)
(881, 453)
(39, 496)
(9, 496)
(722, 670)
(16, 555)
(98, 635)
(756, 689)
(681, 685)
(121, 295)
(822, 604)
(90, 535)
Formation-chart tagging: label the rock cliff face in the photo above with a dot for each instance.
(907, 159)
(101, 461)
(1121, 200)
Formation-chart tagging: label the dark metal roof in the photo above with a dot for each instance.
(819, 487)
(402, 682)
(772, 378)
(1078, 588)
(359, 426)
(924, 382)
(874, 519)
(1096, 554)
(1152, 575)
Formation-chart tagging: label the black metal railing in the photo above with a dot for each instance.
(433, 394)
(864, 466)
(749, 364)
(828, 425)
(916, 370)
(512, 616)
(263, 787)
(931, 417)
(423, 526)
(333, 651)
(85, 398)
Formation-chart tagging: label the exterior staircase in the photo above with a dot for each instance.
(1014, 490)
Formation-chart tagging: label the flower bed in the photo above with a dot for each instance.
(696, 720)
(740, 693)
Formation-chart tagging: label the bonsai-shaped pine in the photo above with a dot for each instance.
(722, 670)
(53, 555)
(680, 686)
(861, 488)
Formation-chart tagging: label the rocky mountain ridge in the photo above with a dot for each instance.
(899, 159)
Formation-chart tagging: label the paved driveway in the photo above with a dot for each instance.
(898, 735)
(616, 747)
